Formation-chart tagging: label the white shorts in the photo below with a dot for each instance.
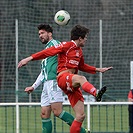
(51, 93)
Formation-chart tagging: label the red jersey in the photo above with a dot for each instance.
(130, 94)
(69, 56)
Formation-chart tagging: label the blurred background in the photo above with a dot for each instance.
(117, 42)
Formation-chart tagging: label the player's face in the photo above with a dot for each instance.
(44, 36)
(83, 41)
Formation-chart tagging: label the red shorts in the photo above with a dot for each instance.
(65, 83)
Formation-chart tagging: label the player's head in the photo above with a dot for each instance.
(79, 33)
(45, 27)
(45, 33)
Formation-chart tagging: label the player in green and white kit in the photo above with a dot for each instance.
(51, 98)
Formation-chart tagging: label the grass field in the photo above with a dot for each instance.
(104, 119)
(109, 119)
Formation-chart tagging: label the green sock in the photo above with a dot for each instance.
(68, 118)
(83, 130)
(46, 125)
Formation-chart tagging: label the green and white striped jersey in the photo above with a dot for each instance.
(49, 65)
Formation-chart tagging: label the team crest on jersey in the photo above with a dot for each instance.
(77, 53)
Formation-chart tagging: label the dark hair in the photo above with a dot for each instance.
(78, 31)
(46, 27)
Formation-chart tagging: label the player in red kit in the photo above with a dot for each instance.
(130, 109)
(70, 60)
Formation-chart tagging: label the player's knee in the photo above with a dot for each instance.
(44, 115)
(57, 109)
(56, 112)
(81, 117)
(82, 78)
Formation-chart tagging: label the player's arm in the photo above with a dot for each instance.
(38, 81)
(41, 55)
(24, 61)
(91, 69)
(46, 53)
(85, 67)
(35, 84)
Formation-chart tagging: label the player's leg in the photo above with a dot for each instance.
(62, 81)
(45, 111)
(79, 113)
(78, 80)
(56, 99)
(63, 115)
(46, 121)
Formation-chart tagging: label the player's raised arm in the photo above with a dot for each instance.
(24, 61)
(41, 55)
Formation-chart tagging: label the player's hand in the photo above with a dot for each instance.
(25, 61)
(103, 69)
(29, 89)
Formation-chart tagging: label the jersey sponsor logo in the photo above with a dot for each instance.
(74, 62)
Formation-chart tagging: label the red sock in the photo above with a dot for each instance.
(87, 87)
(75, 127)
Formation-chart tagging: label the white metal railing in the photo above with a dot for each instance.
(88, 104)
